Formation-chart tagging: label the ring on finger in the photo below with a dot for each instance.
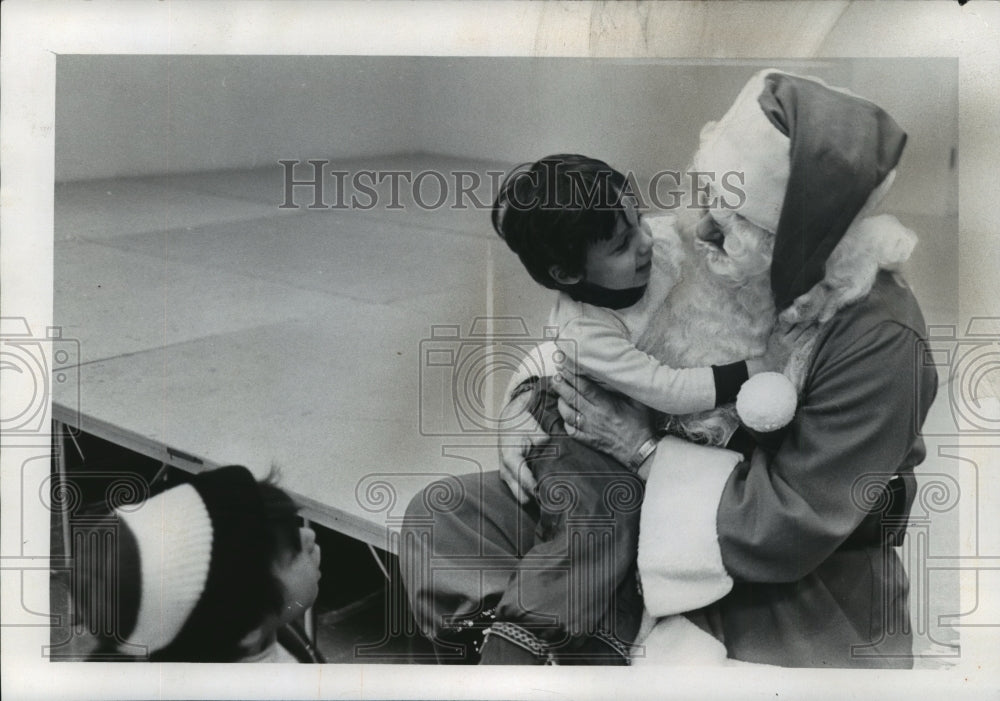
(579, 420)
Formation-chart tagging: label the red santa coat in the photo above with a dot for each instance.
(800, 531)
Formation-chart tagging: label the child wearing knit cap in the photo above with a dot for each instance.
(215, 570)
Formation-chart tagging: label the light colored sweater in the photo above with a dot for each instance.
(604, 345)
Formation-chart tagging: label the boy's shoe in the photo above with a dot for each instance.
(496, 650)
(509, 643)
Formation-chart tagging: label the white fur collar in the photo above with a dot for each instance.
(870, 244)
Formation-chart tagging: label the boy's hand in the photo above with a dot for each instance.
(514, 448)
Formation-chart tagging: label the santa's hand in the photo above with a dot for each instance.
(516, 445)
(789, 350)
(605, 421)
(784, 340)
(802, 343)
(791, 335)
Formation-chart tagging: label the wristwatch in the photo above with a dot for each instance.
(645, 450)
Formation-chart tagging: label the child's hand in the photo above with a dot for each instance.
(515, 446)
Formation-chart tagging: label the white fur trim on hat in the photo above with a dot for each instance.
(746, 142)
(173, 531)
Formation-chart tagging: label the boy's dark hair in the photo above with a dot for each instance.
(549, 212)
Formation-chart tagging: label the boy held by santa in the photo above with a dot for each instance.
(575, 227)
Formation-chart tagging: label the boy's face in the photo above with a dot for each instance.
(624, 260)
(299, 576)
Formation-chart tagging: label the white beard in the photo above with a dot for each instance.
(716, 313)
(722, 310)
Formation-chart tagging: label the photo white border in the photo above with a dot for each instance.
(34, 33)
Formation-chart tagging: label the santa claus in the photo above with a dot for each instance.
(777, 547)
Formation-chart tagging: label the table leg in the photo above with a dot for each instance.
(309, 618)
(160, 474)
(59, 434)
(378, 561)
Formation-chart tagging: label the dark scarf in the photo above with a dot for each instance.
(605, 297)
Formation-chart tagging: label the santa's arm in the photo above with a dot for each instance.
(778, 516)
(781, 515)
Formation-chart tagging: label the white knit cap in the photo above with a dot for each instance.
(192, 568)
(174, 535)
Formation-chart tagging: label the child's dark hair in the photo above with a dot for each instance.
(107, 556)
(549, 212)
(281, 514)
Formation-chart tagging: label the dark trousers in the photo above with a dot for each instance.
(562, 568)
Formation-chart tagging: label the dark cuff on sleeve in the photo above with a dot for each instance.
(728, 380)
(742, 441)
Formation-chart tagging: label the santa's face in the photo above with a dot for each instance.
(734, 249)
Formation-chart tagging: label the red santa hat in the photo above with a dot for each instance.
(811, 157)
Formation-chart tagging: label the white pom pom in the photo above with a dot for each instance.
(766, 401)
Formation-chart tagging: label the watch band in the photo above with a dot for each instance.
(645, 450)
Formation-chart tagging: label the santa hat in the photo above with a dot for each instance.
(811, 156)
(193, 577)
